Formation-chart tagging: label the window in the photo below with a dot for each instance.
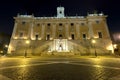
(97, 22)
(72, 24)
(60, 36)
(48, 37)
(60, 24)
(72, 36)
(84, 36)
(82, 24)
(21, 34)
(38, 24)
(48, 24)
(23, 23)
(36, 36)
(99, 34)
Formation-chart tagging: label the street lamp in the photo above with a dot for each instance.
(6, 46)
(27, 43)
(93, 41)
(5, 49)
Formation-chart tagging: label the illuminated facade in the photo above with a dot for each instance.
(60, 35)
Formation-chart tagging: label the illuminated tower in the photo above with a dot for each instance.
(60, 12)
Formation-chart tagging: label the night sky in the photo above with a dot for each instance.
(10, 9)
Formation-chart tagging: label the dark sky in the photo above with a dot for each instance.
(9, 9)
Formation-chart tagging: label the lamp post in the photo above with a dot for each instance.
(6, 46)
(93, 41)
(27, 43)
(5, 49)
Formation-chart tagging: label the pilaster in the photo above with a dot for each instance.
(67, 31)
(77, 31)
(91, 35)
(42, 32)
(53, 30)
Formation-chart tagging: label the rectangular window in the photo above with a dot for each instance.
(38, 24)
(21, 34)
(84, 36)
(48, 37)
(97, 22)
(60, 24)
(72, 24)
(72, 36)
(82, 24)
(23, 23)
(48, 24)
(99, 34)
(36, 36)
(60, 36)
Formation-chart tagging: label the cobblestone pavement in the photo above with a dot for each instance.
(60, 69)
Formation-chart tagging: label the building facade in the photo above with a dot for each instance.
(60, 35)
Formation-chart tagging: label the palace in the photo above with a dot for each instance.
(70, 35)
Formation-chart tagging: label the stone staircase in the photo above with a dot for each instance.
(79, 47)
(75, 47)
(41, 47)
(85, 47)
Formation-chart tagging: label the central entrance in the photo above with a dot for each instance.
(60, 45)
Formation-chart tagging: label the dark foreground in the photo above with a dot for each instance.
(60, 68)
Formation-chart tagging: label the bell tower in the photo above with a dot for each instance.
(60, 12)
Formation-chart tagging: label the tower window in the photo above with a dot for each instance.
(72, 36)
(99, 34)
(84, 36)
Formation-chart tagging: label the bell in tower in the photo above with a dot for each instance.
(60, 12)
